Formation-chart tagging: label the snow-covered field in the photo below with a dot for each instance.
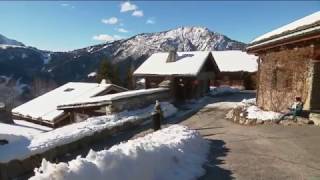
(173, 153)
(38, 143)
(254, 112)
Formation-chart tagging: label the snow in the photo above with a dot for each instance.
(173, 153)
(101, 100)
(27, 124)
(221, 105)
(191, 62)
(47, 58)
(12, 132)
(254, 112)
(92, 74)
(235, 60)
(45, 106)
(223, 90)
(39, 143)
(4, 46)
(24, 55)
(308, 20)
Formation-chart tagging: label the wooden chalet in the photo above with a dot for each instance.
(186, 74)
(237, 69)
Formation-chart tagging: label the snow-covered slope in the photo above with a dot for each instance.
(183, 38)
(25, 63)
(6, 41)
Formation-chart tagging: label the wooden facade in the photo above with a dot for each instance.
(239, 79)
(185, 87)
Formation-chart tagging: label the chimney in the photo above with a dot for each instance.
(172, 57)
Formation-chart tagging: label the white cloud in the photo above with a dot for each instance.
(127, 6)
(112, 20)
(67, 5)
(137, 13)
(106, 37)
(122, 30)
(150, 21)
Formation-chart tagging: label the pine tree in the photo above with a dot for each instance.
(129, 77)
(108, 72)
(105, 71)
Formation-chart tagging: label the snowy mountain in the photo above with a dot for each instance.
(24, 63)
(183, 38)
(6, 41)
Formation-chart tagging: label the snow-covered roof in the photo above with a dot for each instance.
(107, 99)
(187, 63)
(235, 60)
(301, 26)
(44, 107)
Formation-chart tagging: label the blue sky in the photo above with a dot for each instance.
(67, 25)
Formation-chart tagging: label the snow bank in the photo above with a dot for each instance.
(254, 112)
(12, 132)
(174, 153)
(73, 132)
(222, 90)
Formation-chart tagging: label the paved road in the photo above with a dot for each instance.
(257, 152)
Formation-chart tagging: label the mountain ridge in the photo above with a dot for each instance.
(25, 63)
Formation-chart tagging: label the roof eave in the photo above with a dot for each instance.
(282, 40)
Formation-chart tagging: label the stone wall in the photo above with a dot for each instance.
(284, 74)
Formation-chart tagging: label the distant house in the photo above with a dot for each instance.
(289, 64)
(237, 69)
(80, 109)
(187, 74)
(43, 109)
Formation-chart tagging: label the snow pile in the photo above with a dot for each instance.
(13, 133)
(248, 102)
(174, 153)
(73, 132)
(254, 112)
(224, 90)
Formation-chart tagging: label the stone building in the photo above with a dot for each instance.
(186, 74)
(289, 65)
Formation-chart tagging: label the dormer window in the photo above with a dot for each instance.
(68, 89)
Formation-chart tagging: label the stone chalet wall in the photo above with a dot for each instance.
(284, 74)
(139, 101)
